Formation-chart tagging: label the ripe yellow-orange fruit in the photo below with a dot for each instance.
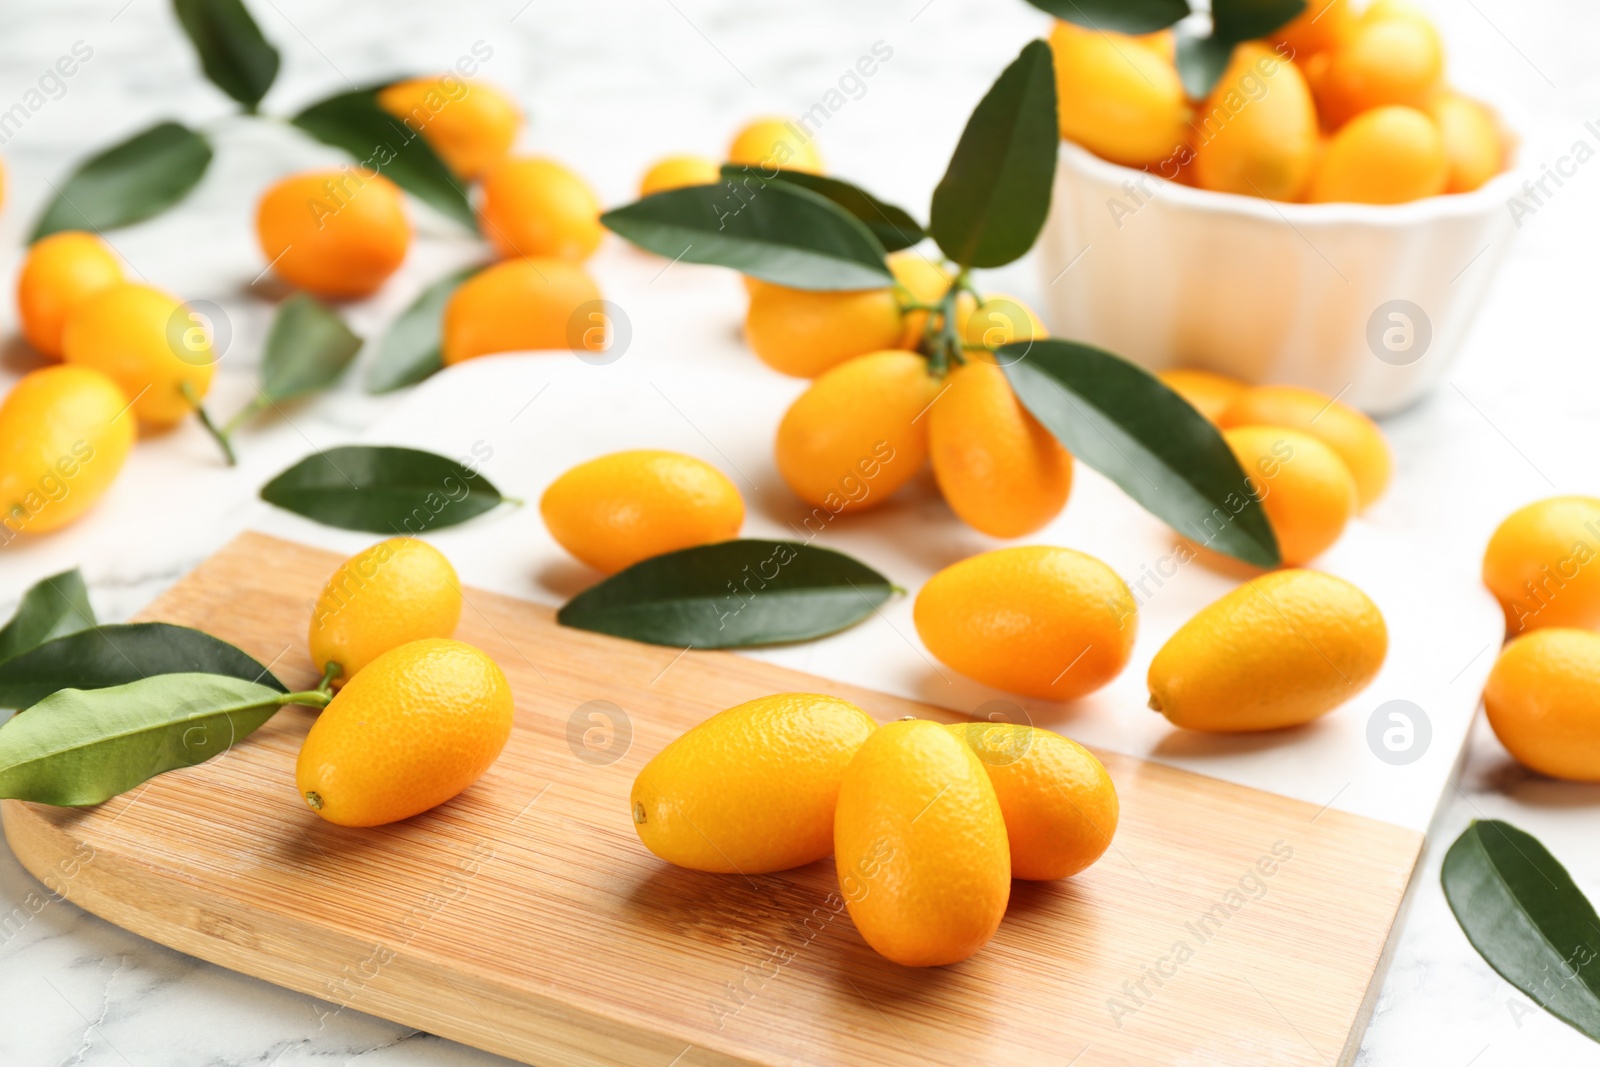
(1543, 564)
(1280, 650)
(675, 172)
(1256, 135)
(998, 468)
(859, 432)
(1385, 62)
(416, 727)
(470, 124)
(1388, 155)
(335, 233)
(999, 320)
(1307, 491)
(1207, 392)
(1341, 427)
(613, 511)
(920, 846)
(537, 207)
(1323, 26)
(149, 343)
(1058, 802)
(1543, 701)
(1471, 141)
(1117, 98)
(384, 596)
(1045, 622)
(59, 273)
(769, 143)
(523, 304)
(752, 789)
(803, 333)
(64, 434)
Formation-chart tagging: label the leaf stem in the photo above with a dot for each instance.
(329, 673)
(311, 698)
(221, 435)
(255, 407)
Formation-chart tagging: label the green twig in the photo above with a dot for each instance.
(220, 435)
(329, 673)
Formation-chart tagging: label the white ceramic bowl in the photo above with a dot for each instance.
(1367, 302)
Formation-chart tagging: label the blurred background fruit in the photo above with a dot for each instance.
(149, 343)
(517, 305)
(58, 273)
(775, 143)
(335, 233)
(1118, 98)
(1543, 564)
(804, 332)
(64, 434)
(1388, 155)
(470, 124)
(536, 207)
(675, 172)
(1355, 437)
(1267, 145)
(1207, 392)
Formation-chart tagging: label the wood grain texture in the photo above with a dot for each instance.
(526, 918)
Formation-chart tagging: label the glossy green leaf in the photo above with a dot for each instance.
(1527, 918)
(1245, 20)
(78, 747)
(1122, 16)
(410, 351)
(779, 233)
(128, 182)
(992, 202)
(233, 53)
(53, 607)
(731, 595)
(382, 489)
(1122, 421)
(307, 349)
(380, 142)
(892, 226)
(1201, 61)
(112, 655)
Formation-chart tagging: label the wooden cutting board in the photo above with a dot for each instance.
(1225, 926)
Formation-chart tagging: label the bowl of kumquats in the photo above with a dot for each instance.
(1329, 214)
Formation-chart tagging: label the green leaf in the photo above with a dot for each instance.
(307, 349)
(892, 226)
(1527, 918)
(1121, 16)
(1201, 61)
(731, 595)
(233, 54)
(410, 351)
(379, 141)
(53, 607)
(382, 489)
(1122, 421)
(78, 747)
(779, 233)
(112, 655)
(1245, 20)
(992, 202)
(128, 182)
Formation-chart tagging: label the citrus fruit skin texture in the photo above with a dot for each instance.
(752, 789)
(999, 469)
(1059, 805)
(145, 341)
(613, 511)
(774, 142)
(1386, 61)
(1471, 141)
(534, 206)
(1307, 491)
(1280, 650)
(1257, 133)
(1121, 100)
(1045, 622)
(804, 333)
(1356, 438)
(385, 596)
(64, 434)
(1543, 564)
(675, 172)
(470, 124)
(59, 273)
(418, 726)
(1543, 701)
(920, 846)
(521, 304)
(1384, 156)
(1208, 393)
(859, 432)
(335, 233)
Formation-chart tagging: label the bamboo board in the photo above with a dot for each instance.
(1226, 925)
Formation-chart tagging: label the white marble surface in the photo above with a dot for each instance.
(611, 85)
